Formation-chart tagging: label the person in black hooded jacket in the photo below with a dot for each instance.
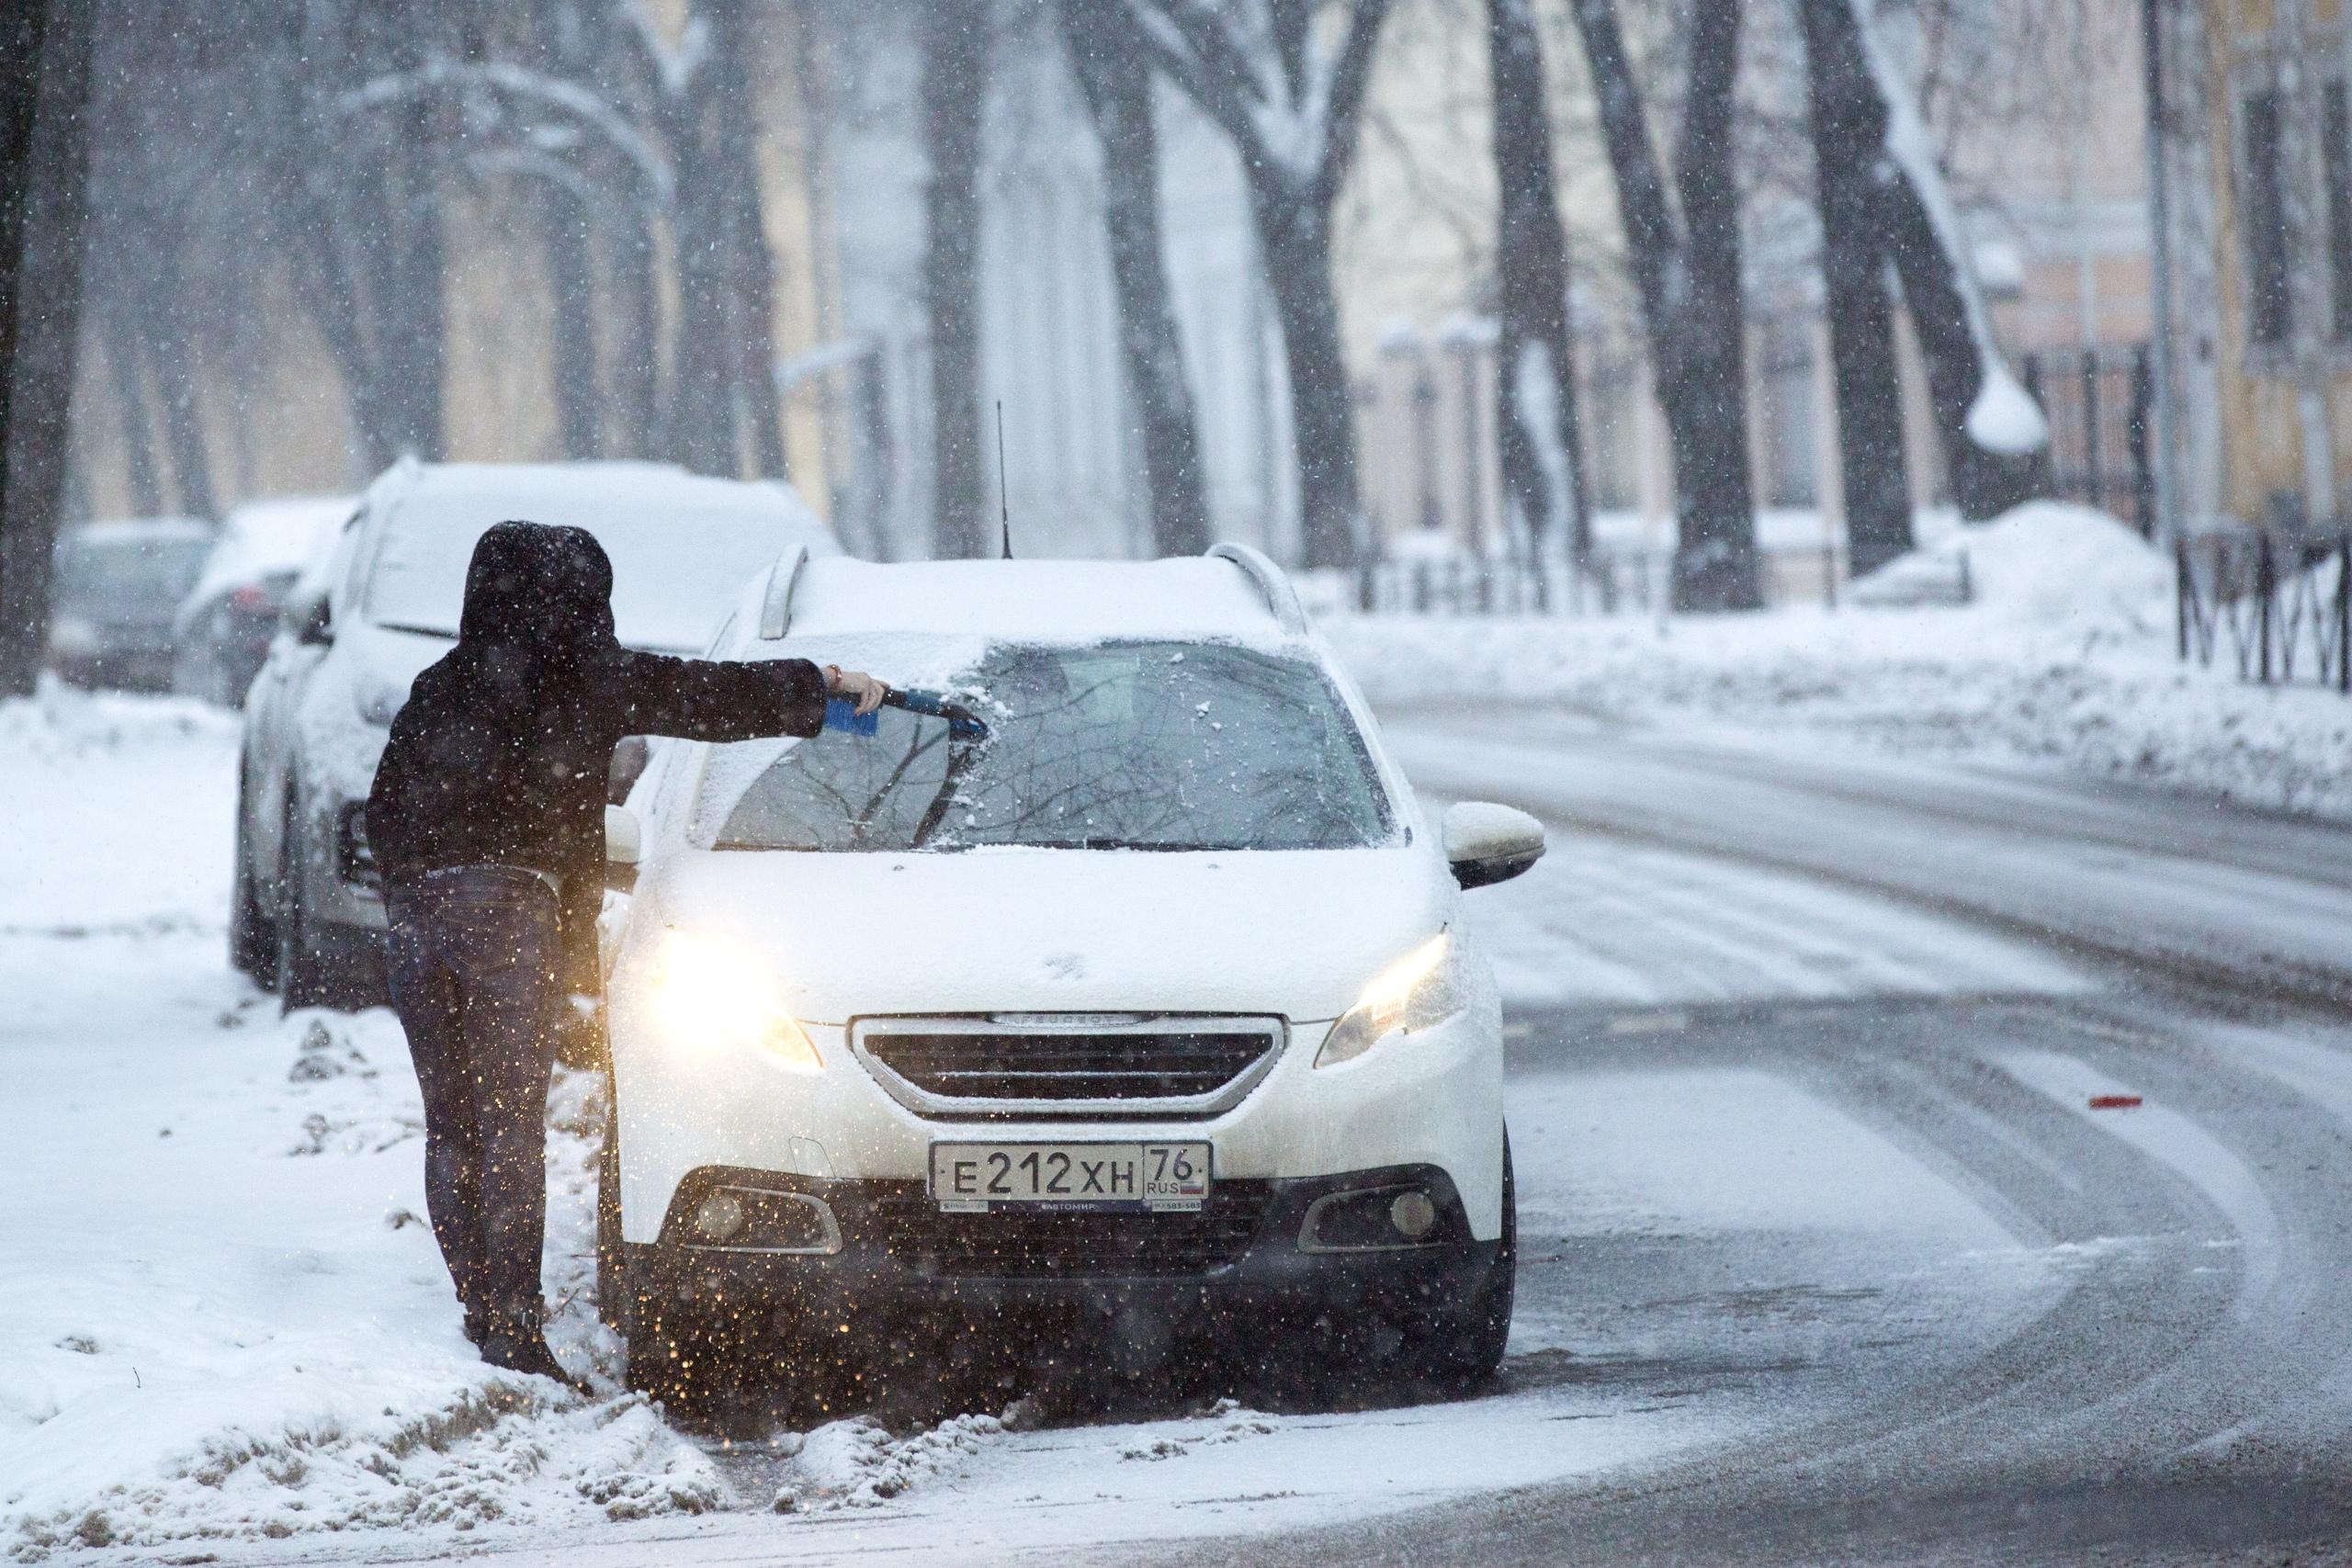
(487, 820)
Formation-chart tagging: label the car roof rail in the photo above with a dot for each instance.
(1280, 598)
(775, 609)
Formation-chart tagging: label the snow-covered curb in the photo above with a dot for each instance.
(2064, 661)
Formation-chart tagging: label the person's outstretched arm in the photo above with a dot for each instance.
(708, 699)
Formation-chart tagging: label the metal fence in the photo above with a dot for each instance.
(1613, 582)
(2098, 402)
(2281, 605)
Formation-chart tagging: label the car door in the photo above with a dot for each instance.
(305, 628)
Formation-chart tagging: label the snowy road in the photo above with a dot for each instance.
(1826, 1254)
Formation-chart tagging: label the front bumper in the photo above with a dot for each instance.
(1433, 1100)
(1240, 1254)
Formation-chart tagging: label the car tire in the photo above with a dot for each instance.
(253, 942)
(303, 977)
(1460, 1353)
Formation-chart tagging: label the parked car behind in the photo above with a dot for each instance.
(306, 912)
(223, 631)
(113, 590)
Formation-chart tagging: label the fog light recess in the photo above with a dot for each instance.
(760, 1219)
(1379, 1219)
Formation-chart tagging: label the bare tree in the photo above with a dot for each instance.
(1290, 95)
(1991, 427)
(953, 39)
(44, 82)
(1541, 445)
(1686, 268)
(1116, 78)
(1849, 133)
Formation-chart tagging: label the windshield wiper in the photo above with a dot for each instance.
(1112, 844)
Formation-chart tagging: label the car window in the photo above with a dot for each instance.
(1141, 745)
(673, 569)
(128, 576)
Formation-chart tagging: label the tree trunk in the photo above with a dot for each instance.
(954, 44)
(1848, 136)
(1116, 78)
(1297, 241)
(409, 309)
(141, 473)
(1688, 276)
(172, 363)
(44, 141)
(572, 339)
(1955, 340)
(1984, 483)
(701, 418)
(750, 265)
(1542, 448)
(637, 337)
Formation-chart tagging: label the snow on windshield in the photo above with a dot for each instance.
(675, 570)
(1137, 745)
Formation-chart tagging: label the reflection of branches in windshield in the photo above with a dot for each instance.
(862, 821)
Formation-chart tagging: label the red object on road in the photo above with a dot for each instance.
(2115, 1101)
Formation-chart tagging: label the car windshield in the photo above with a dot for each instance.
(1143, 745)
(128, 577)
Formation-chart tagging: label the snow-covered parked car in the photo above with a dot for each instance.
(306, 912)
(222, 632)
(1132, 981)
(113, 587)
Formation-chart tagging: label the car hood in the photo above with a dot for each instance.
(1293, 932)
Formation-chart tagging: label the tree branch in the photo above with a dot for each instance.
(1350, 76)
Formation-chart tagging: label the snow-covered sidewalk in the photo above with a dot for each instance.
(2064, 661)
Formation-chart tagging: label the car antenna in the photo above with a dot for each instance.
(1004, 505)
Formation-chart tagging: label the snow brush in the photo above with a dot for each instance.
(963, 724)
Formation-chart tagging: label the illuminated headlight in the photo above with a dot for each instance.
(1419, 990)
(706, 999)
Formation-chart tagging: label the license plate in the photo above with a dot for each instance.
(967, 1178)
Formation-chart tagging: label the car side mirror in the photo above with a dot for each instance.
(309, 621)
(1487, 843)
(624, 842)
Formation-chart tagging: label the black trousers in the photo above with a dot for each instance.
(473, 953)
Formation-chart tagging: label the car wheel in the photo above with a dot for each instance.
(1460, 1353)
(253, 945)
(303, 977)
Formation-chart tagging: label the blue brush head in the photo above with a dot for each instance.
(842, 714)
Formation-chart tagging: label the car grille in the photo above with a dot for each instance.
(1047, 1244)
(1141, 1067)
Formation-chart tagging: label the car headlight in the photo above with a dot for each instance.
(1417, 991)
(707, 998)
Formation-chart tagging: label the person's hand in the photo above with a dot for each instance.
(859, 687)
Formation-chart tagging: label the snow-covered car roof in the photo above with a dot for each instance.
(1035, 601)
(122, 531)
(263, 538)
(678, 541)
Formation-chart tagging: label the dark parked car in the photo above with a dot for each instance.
(113, 589)
(222, 632)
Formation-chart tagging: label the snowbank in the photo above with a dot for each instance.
(2064, 661)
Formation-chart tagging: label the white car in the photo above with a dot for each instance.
(1135, 982)
(306, 913)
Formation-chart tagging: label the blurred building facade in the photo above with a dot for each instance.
(2258, 159)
